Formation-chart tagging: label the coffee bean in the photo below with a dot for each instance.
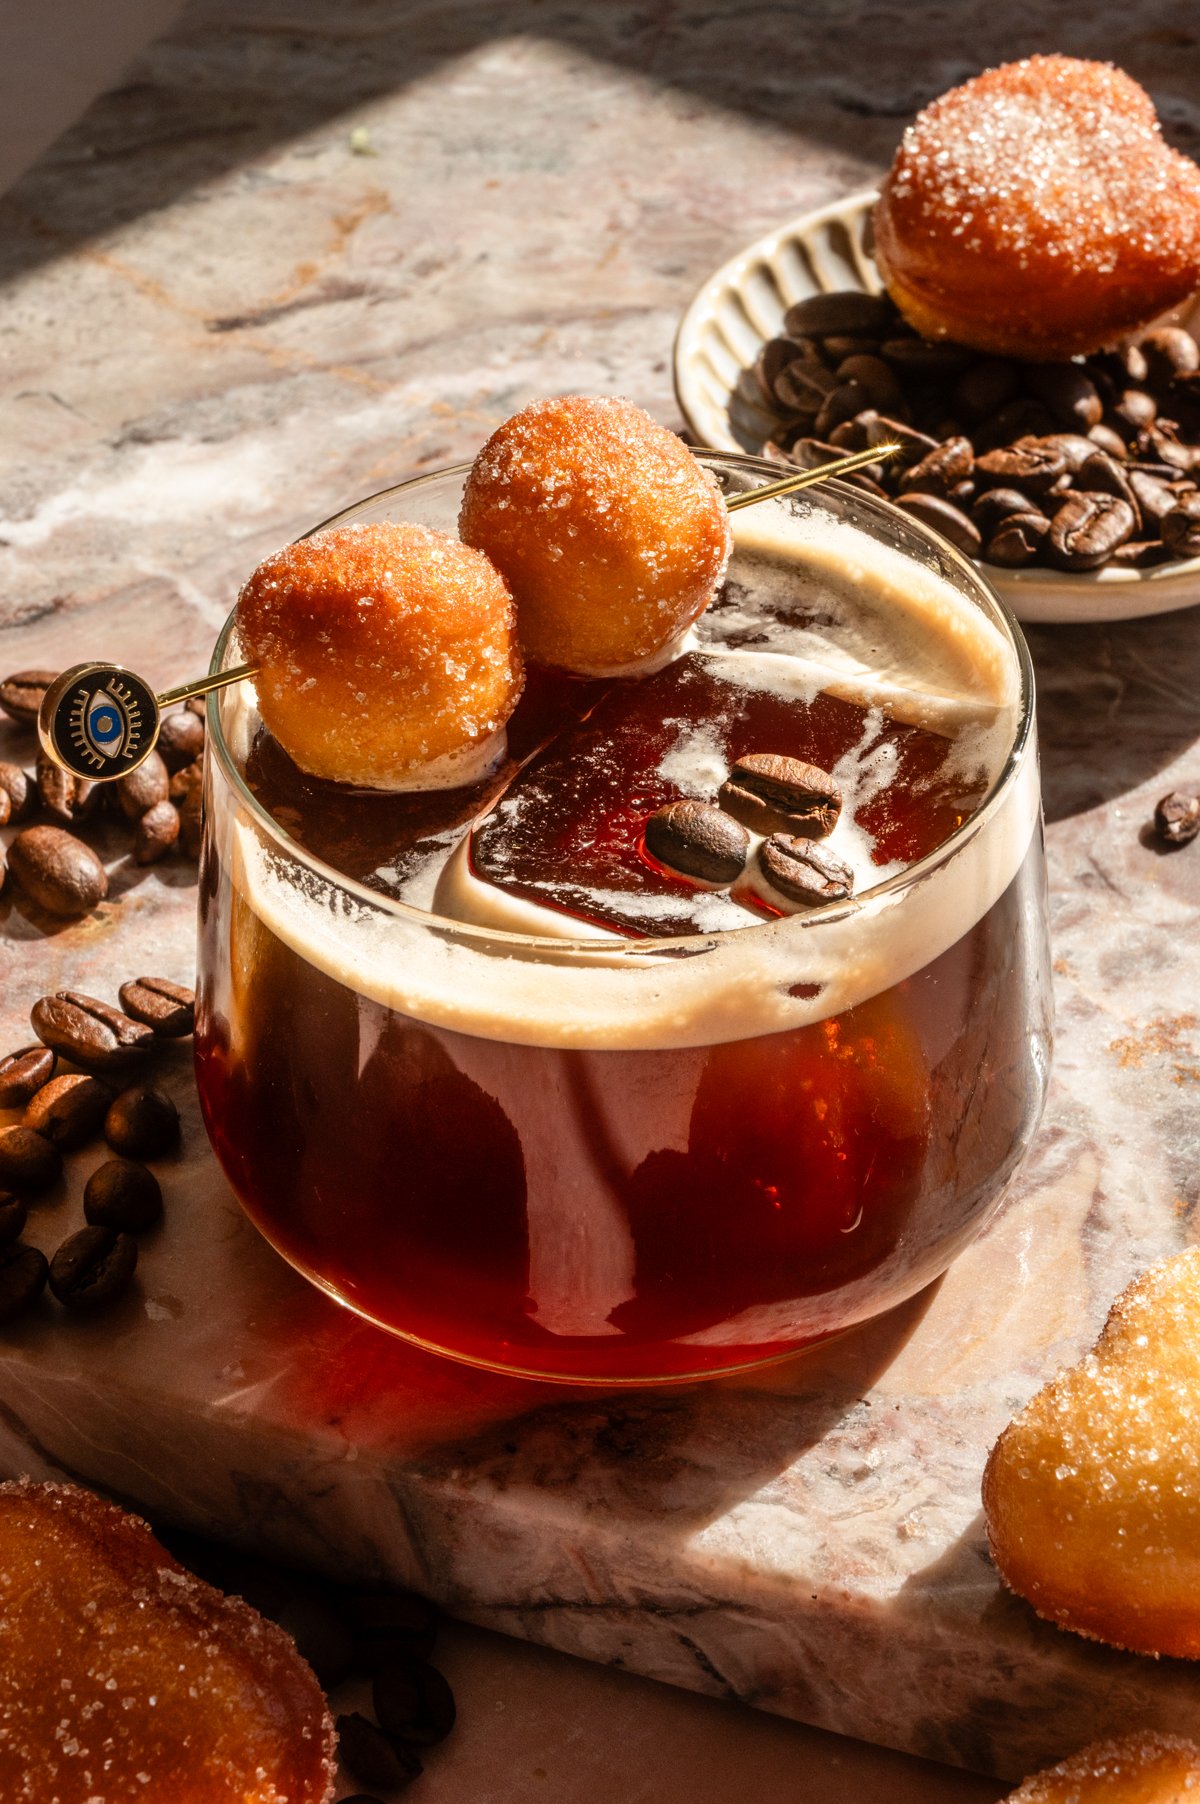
(774, 453)
(1133, 411)
(68, 1110)
(1030, 464)
(859, 479)
(921, 357)
(13, 1216)
(169, 1008)
(1116, 369)
(181, 737)
(142, 1122)
(1154, 498)
(185, 782)
(371, 1757)
(20, 789)
(945, 518)
(875, 376)
(122, 1194)
(89, 1032)
(1181, 528)
(143, 787)
(1104, 475)
(1141, 554)
(806, 872)
(774, 356)
(92, 1268)
(837, 346)
(1020, 419)
(23, 1073)
(21, 694)
(774, 794)
(5, 807)
(28, 1161)
(886, 429)
(1177, 818)
(801, 386)
(1075, 447)
(57, 871)
(1068, 392)
(986, 387)
(1017, 540)
(841, 403)
(1182, 403)
(1107, 439)
(23, 1273)
(1087, 529)
(413, 1703)
(698, 841)
(940, 470)
(1180, 459)
(362, 1797)
(995, 505)
(1169, 352)
(851, 435)
(944, 427)
(156, 833)
(849, 311)
(68, 797)
(191, 822)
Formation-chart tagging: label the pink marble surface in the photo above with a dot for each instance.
(292, 259)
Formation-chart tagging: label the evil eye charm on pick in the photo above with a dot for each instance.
(98, 721)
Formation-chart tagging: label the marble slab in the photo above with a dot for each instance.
(297, 255)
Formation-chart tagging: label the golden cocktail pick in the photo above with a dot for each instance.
(803, 479)
(99, 721)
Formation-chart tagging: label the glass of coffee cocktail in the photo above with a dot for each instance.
(495, 1075)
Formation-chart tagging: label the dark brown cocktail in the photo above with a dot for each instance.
(481, 1066)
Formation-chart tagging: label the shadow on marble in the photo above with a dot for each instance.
(1047, 1670)
(1115, 704)
(706, 1442)
(232, 82)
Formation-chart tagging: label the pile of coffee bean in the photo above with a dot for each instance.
(101, 1046)
(1072, 465)
(55, 869)
(386, 1636)
(789, 801)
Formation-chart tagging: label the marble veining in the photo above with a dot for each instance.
(290, 260)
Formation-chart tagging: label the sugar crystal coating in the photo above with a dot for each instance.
(380, 649)
(1092, 1493)
(1146, 1768)
(1036, 212)
(612, 536)
(122, 1676)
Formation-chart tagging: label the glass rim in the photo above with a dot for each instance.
(644, 947)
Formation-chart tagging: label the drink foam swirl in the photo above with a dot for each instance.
(834, 609)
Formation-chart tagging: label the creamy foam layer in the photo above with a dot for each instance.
(837, 611)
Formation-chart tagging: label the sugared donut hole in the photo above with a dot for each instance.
(1036, 212)
(381, 649)
(612, 536)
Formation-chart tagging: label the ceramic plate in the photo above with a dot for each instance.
(743, 305)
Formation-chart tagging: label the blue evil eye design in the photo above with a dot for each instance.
(104, 723)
